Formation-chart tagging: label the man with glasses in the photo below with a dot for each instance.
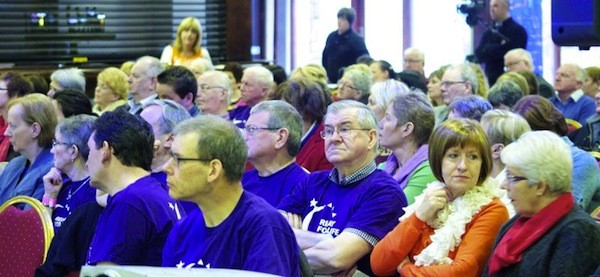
(214, 93)
(233, 228)
(520, 60)
(272, 133)
(257, 84)
(179, 84)
(458, 80)
(143, 82)
(339, 215)
(414, 59)
(140, 214)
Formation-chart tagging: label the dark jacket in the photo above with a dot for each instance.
(492, 47)
(569, 248)
(341, 51)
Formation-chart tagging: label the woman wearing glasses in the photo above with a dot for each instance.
(450, 228)
(31, 122)
(67, 184)
(550, 235)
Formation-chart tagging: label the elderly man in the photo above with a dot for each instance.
(339, 215)
(504, 35)
(143, 82)
(233, 228)
(570, 99)
(214, 93)
(257, 83)
(343, 46)
(140, 214)
(458, 80)
(414, 59)
(520, 60)
(179, 84)
(273, 132)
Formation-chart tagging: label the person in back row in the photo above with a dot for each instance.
(233, 228)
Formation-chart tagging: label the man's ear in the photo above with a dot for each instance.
(214, 171)
(497, 150)
(106, 151)
(189, 98)
(282, 138)
(373, 138)
(168, 142)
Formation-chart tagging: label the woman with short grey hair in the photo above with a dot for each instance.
(70, 78)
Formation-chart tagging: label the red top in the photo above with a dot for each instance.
(4, 141)
(412, 235)
(312, 153)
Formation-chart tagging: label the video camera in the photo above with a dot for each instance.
(471, 9)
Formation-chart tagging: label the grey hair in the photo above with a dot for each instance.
(365, 116)
(70, 78)
(360, 79)
(218, 139)
(172, 114)
(414, 107)
(522, 54)
(580, 73)
(467, 74)
(222, 79)
(283, 115)
(505, 92)
(76, 130)
(384, 92)
(415, 50)
(155, 67)
(541, 156)
(262, 75)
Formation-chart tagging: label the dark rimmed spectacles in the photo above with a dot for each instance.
(344, 132)
(178, 160)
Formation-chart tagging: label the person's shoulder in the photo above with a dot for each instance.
(380, 178)
(256, 210)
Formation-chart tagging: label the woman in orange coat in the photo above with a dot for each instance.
(450, 229)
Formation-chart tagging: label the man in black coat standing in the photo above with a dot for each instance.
(343, 46)
(506, 34)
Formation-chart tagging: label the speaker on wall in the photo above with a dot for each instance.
(576, 23)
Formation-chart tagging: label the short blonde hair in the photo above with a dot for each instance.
(314, 72)
(193, 24)
(38, 108)
(116, 80)
(504, 127)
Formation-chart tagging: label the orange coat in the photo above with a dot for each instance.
(412, 235)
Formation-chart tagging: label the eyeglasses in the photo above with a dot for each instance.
(412, 61)
(251, 129)
(342, 84)
(514, 179)
(450, 83)
(207, 87)
(344, 132)
(511, 64)
(179, 160)
(56, 142)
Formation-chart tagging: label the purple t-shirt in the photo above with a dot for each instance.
(239, 116)
(71, 196)
(134, 226)
(276, 186)
(254, 237)
(371, 205)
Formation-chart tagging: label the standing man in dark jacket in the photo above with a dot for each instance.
(343, 46)
(506, 34)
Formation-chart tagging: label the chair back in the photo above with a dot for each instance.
(572, 125)
(25, 236)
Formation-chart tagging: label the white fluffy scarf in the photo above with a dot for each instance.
(451, 221)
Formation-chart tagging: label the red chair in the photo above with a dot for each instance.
(572, 125)
(25, 236)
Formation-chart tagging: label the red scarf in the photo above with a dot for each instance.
(527, 231)
(4, 141)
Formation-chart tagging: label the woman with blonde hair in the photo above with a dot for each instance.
(449, 230)
(187, 46)
(111, 90)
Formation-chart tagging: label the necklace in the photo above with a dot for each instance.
(71, 192)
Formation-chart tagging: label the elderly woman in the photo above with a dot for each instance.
(70, 78)
(470, 106)
(382, 93)
(405, 129)
(311, 101)
(550, 236)
(355, 84)
(31, 123)
(111, 90)
(450, 229)
(67, 184)
(187, 45)
(382, 71)
(541, 114)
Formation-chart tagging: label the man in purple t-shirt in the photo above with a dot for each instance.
(273, 133)
(257, 84)
(139, 215)
(232, 229)
(340, 215)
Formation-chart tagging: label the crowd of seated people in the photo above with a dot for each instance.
(178, 164)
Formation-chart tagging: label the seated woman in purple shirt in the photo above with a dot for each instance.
(67, 184)
(405, 129)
